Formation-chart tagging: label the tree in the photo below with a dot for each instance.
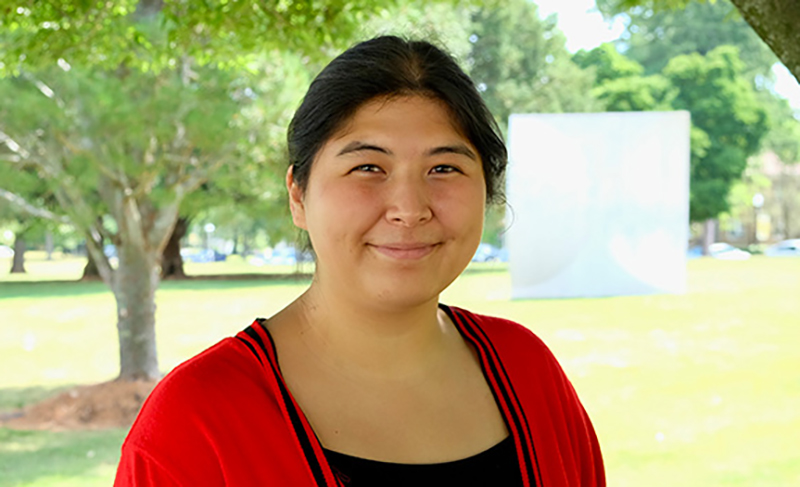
(137, 104)
(253, 191)
(728, 124)
(607, 63)
(27, 220)
(521, 65)
(121, 150)
(784, 134)
(775, 22)
(147, 34)
(619, 83)
(10, 217)
(653, 37)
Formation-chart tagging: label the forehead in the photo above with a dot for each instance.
(401, 115)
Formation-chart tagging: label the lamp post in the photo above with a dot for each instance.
(758, 203)
(209, 229)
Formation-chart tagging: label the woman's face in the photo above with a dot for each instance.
(394, 204)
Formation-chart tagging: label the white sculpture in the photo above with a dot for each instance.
(599, 203)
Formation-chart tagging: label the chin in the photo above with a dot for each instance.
(406, 293)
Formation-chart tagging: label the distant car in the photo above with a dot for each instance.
(286, 255)
(785, 248)
(202, 256)
(694, 252)
(726, 251)
(6, 252)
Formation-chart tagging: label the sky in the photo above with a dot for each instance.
(585, 28)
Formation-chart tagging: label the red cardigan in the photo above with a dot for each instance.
(225, 417)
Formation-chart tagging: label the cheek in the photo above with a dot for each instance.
(461, 205)
(343, 208)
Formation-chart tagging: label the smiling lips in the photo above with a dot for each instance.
(405, 251)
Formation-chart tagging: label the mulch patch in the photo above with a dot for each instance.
(112, 404)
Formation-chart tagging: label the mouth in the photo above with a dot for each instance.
(405, 251)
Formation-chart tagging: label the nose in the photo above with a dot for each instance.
(408, 202)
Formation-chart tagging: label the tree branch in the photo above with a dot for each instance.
(776, 21)
(66, 143)
(104, 233)
(74, 205)
(94, 246)
(44, 89)
(12, 158)
(31, 209)
(112, 195)
(13, 146)
(25, 156)
(163, 224)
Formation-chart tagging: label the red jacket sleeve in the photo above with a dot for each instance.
(584, 442)
(137, 468)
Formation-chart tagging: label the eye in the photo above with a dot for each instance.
(366, 168)
(444, 169)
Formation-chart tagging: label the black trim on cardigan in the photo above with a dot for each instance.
(478, 338)
(294, 415)
(252, 349)
(490, 363)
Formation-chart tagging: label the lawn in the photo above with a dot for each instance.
(701, 389)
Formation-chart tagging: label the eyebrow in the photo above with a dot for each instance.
(358, 146)
(461, 149)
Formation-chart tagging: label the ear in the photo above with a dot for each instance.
(296, 204)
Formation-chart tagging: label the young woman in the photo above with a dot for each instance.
(366, 379)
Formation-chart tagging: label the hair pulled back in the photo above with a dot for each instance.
(389, 66)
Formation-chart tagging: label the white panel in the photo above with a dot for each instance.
(600, 203)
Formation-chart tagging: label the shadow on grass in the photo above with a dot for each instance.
(196, 283)
(29, 455)
(50, 288)
(42, 289)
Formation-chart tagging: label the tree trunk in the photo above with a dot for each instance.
(171, 260)
(48, 244)
(235, 250)
(140, 240)
(90, 272)
(18, 264)
(709, 234)
(787, 220)
(776, 22)
(246, 246)
(135, 283)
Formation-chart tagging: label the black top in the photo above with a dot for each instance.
(497, 466)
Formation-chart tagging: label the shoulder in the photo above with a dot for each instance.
(505, 335)
(569, 452)
(199, 390)
(204, 407)
(223, 369)
(516, 351)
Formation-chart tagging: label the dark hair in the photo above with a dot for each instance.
(390, 66)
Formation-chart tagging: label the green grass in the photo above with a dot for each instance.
(701, 389)
(77, 459)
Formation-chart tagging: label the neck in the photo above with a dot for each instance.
(368, 339)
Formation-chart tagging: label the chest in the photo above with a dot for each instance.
(445, 415)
